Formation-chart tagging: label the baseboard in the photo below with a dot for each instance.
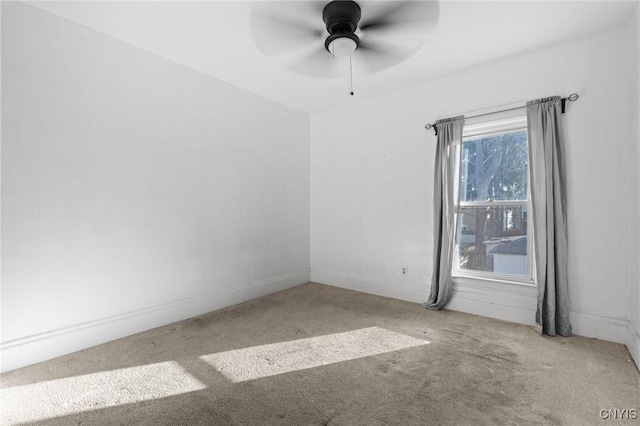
(28, 350)
(513, 303)
(633, 344)
(599, 327)
(514, 306)
(351, 282)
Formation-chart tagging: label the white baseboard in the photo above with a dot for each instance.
(599, 327)
(517, 305)
(378, 288)
(32, 349)
(521, 308)
(633, 344)
(513, 303)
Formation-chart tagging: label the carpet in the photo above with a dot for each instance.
(320, 355)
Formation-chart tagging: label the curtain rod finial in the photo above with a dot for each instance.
(431, 126)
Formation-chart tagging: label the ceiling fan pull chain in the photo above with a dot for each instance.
(351, 74)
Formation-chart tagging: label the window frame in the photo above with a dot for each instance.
(474, 129)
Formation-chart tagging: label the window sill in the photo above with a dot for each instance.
(497, 284)
(492, 277)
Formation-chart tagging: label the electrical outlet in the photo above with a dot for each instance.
(404, 270)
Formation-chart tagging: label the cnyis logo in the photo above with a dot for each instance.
(619, 413)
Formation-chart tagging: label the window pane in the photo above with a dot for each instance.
(494, 167)
(493, 239)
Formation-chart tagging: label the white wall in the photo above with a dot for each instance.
(372, 177)
(633, 158)
(136, 192)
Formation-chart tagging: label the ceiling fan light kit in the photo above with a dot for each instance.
(342, 44)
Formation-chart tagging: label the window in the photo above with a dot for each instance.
(492, 238)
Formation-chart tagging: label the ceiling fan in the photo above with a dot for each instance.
(315, 38)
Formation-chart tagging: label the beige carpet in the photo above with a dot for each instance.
(318, 355)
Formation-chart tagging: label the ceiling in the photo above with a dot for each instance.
(214, 37)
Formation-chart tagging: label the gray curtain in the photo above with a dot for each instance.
(444, 227)
(548, 196)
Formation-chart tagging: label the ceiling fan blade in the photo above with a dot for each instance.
(293, 32)
(319, 63)
(400, 16)
(282, 27)
(303, 12)
(372, 57)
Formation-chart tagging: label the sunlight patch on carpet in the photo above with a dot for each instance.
(268, 360)
(71, 395)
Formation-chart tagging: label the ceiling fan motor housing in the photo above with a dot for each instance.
(341, 18)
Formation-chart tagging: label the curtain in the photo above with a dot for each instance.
(444, 228)
(548, 196)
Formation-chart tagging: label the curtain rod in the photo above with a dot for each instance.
(572, 97)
